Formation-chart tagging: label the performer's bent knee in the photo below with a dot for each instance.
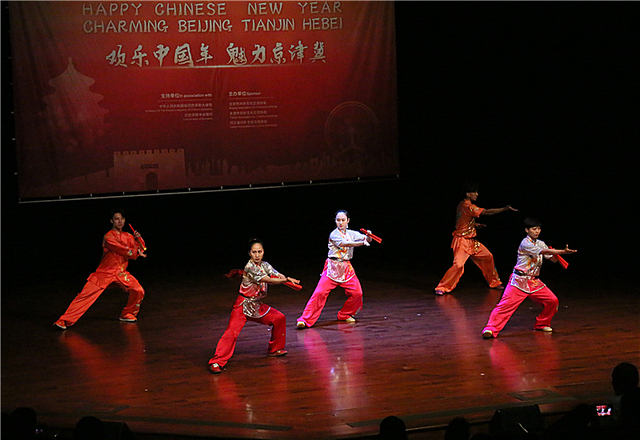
(279, 319)
(355, 293)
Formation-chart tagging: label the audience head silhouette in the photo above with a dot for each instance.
(88, 428)
(624, 378)
(392, 428)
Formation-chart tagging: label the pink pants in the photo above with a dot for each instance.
(316, 303)
(227, 343)
(90, 294)
(512, 297)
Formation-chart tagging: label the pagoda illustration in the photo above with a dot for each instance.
(73, 112)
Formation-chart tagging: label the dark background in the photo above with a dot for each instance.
(537, 102)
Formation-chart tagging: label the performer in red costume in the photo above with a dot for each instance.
(256, 277)
(118, 247)
(465, 245)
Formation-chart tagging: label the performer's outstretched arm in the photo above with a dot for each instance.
(494, 211)
(555, 253)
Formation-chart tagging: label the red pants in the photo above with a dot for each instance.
(237, 320)
(463, 249)
(512, 297)
(317, 301)
(92, 291)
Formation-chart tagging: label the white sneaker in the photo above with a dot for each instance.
(545, 329)
(350, 319)
(301, 324)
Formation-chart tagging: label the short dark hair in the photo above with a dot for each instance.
(253, 241)
(344, 211)
(118, 211)
(531, 222)
(470, 187)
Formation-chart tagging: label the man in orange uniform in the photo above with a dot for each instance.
(118, 248)
(465, 245)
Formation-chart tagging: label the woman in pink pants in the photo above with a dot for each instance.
(524, 283)
(337, 271)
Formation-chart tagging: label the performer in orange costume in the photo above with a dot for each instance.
(118, 248)
(465, 245)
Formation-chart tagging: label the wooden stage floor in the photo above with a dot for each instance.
(410, 354)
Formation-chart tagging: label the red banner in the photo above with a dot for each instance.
(142, 96)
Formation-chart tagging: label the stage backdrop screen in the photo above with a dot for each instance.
(143, 96)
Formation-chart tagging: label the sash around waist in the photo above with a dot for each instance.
(524, 274)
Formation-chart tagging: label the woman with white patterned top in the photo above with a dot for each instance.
(524, 283)
(338, 271)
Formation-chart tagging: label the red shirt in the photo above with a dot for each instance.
(117, 249)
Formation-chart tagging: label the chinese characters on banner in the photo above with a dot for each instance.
(141, 96)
